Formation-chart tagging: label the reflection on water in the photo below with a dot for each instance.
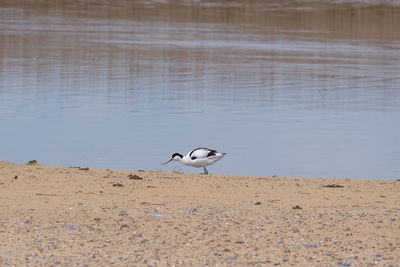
(286, 88)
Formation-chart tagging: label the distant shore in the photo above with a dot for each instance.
(79, 216)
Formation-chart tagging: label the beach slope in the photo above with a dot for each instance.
(79, 216)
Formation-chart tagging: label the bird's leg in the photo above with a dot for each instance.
(205, 170)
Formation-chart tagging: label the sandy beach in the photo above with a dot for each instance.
(79, 216)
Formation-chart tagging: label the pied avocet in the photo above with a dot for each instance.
(199, 157)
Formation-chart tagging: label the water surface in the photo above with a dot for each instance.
(289, 88)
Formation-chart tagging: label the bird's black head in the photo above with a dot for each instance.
(175, 156)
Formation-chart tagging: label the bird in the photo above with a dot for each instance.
(199, 157)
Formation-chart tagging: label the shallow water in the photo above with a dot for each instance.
(292, 88)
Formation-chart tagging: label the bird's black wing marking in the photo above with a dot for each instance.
(212, 153)
(193, 158)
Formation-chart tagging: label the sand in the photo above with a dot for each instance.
(52, 216)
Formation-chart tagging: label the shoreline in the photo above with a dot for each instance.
(52, 215)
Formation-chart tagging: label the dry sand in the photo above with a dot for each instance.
(51, 216)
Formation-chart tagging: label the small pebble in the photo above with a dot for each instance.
(123, 213)
(230, 258)
(70, 227)
(137, 236)
(311, 246)
(134, 177)
(30, 256)
(189, 210)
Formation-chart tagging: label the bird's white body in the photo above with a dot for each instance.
(199, 157)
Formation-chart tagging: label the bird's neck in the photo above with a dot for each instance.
(184, 159)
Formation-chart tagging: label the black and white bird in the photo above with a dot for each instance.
(199, 157)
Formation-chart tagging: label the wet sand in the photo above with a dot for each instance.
(75, 216)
